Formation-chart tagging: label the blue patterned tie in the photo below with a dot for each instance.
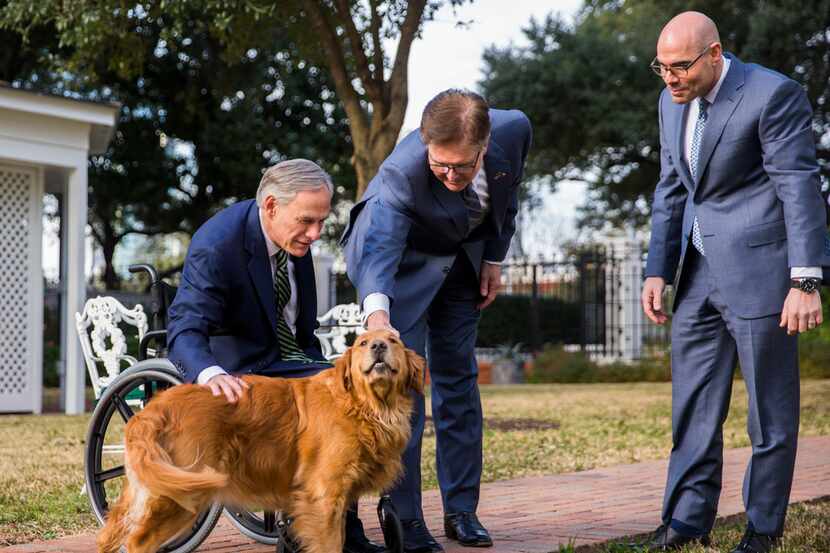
(694, 154)
(473, 204)
(289, 350)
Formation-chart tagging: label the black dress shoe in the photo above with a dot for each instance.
(753, 542)
(666, 539)
(417, 539)
(356, 540)
(466, 528)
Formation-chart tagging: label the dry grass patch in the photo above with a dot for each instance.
(531, 430)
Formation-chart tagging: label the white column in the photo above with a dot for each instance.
(74, 284)
(627, 285)
(323, 263)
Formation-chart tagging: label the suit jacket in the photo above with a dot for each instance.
(404, 234)
(225, 310)
(757, 195)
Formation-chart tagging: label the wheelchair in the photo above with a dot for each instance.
(130, 392)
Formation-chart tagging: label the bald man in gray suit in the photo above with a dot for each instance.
(738, 209)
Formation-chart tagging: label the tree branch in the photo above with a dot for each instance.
(336, 63)
(377, 46)
(398, 81)
(373, 89)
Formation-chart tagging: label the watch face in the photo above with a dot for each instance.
(808, 285)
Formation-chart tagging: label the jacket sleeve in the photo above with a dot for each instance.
(389, 218)
(196, 310)
(666, 213)
(789, 157)
(496, 249)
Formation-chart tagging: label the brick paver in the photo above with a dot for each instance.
(536, 515)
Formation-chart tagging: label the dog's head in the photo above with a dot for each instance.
(378, 365)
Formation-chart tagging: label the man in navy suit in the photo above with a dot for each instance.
(247, 302)
(738, 208)
(424, 247)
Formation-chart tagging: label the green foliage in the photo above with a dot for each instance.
(507, 321)
(592, 99)
(554, 364)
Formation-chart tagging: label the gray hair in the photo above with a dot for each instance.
(285, 179)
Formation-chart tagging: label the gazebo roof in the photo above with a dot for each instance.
(102, 116)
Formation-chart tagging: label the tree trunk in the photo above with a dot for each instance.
(111, 280)
(368, 157)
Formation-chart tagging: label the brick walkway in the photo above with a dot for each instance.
(536, 515)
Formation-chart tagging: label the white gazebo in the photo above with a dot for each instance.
(45, 142)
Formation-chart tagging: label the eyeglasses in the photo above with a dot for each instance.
(444, 168)
(679, 69)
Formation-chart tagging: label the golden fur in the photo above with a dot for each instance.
(306, 446)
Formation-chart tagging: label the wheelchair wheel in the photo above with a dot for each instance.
(104, 455)
(390, 525)
(265, 527)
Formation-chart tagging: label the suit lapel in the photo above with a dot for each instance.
(259, 267)
(450, 201)
(681, 164)
(499, 178)
(306, 296)
(721, 110)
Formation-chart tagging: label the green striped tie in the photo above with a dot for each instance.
(289, 349)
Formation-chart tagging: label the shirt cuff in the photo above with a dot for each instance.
(209, 373)
(805, 272)
(499, 263)
(375, 301)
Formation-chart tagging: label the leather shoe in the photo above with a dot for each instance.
(466, 528)
(417, 539)
(753, 542)
(356, 540)
(665, 538)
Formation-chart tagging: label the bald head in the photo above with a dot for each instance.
(689, 56)
(689, 30)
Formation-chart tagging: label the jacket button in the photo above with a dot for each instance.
(446, 269)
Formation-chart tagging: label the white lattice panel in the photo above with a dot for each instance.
(20, 272)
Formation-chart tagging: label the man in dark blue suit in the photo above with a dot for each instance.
(247, 302)
(424, 247)
(738, 214)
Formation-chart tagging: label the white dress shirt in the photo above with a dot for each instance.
(691, 120)
(289, 312)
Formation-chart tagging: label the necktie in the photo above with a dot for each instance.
(473, 204)
(289, 350)
(694, 154)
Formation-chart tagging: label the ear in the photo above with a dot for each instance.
(417, 366)
(342, 369)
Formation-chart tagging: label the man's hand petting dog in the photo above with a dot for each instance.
(233, 387)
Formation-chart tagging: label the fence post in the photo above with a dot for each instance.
(627, 286)
(535, 330)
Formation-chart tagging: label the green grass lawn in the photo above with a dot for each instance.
(530, 430)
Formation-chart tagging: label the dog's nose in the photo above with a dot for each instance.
(378, 347)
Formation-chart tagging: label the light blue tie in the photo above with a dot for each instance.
(694, 154)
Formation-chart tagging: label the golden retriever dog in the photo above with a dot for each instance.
(305, 446)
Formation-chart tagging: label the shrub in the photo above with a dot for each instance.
(554, 364)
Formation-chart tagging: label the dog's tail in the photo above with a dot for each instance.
(154, 469)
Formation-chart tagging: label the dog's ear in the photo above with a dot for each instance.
(342, 370)
(417, 366)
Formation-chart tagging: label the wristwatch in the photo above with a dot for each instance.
(807, 285)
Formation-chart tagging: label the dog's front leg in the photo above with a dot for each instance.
(320, 522)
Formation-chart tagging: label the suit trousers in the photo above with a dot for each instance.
(707, 341)
(446, 336)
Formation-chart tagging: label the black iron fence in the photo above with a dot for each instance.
(589, 300)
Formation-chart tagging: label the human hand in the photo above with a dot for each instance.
(801, 311)
(379, 320)
(231, 386)
(652, 299)
(490, 283)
